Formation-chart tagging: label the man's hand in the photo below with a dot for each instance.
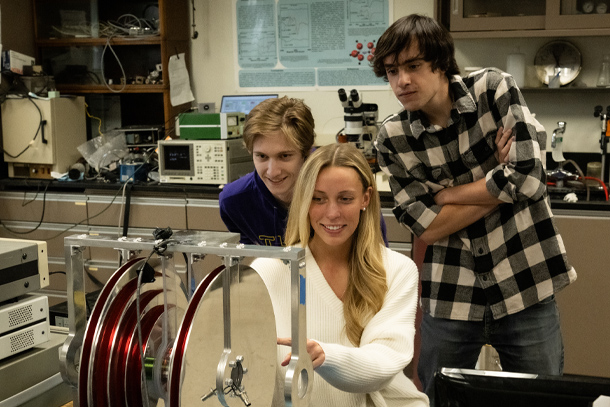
(442, 196)
(315, 351)
(504, 140)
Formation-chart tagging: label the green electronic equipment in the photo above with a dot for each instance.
(211, 126)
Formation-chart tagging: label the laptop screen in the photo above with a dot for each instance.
(242, 103)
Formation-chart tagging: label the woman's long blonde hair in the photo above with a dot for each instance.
(367, 285)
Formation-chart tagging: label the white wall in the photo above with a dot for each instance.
(214, 74)
(214, 66)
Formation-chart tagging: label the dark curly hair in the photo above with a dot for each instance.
(434, 42)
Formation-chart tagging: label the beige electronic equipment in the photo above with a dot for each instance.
(24, 267)
(212, 162)
(40, 136)
(24, 318)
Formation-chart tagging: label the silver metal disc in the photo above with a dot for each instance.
(203, 357)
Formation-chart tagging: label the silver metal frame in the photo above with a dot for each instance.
(299, 376)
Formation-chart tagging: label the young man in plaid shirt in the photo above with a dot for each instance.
(495, 258)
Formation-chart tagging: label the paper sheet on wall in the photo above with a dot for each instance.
(179, 82)
(308, 43)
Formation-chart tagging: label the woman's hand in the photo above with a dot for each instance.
(315, 351)
(503, 143)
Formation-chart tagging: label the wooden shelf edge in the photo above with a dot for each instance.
(576, 32)
(565, 89)
(72, 42)
(80, 89)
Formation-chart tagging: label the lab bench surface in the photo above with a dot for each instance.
(212, 192)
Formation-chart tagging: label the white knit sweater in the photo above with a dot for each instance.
(371, 374)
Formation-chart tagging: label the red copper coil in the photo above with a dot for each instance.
(116, 370)
(108, 331)
(92, 326)
(132, 381)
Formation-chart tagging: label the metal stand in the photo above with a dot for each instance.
(164, 368)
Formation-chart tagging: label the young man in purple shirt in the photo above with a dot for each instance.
(280, 134)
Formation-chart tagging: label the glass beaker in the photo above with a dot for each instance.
(603, 79)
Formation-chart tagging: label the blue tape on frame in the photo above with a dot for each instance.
(302, 290)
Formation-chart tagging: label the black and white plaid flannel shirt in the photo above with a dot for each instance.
(512, 258)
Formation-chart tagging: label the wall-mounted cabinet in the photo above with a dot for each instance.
(578, 14)
(482, 15)
(116, 53)
(522, 18)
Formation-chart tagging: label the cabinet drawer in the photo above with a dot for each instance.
(204, 214)
(395, 231)
(404, 248)
(143, 212)
(585, 304)
(59, 208)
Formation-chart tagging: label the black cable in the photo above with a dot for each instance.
(44, 201)
(38, 130)
(71, 227)
(57, 272)
(26, 203)
(15, 85)
(159, 248)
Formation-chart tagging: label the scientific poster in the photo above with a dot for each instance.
(308, 43)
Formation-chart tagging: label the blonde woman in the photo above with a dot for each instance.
(361, 296)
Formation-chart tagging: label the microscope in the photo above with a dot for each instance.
(559, 174)
(360, 123)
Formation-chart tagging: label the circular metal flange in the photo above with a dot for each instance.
(241, 357)
(558, 58)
